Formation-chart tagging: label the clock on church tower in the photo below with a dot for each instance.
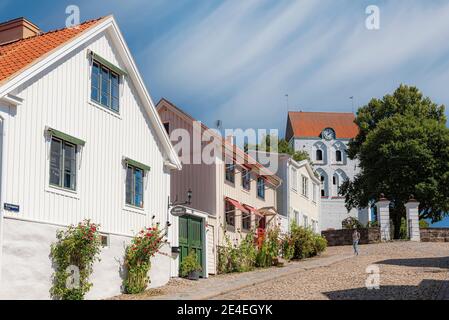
(328, 134)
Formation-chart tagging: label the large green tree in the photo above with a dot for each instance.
(403, 150)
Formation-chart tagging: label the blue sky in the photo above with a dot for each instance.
(236, 60)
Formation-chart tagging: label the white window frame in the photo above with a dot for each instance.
(294, 179)
(305, 186)
(296, 216)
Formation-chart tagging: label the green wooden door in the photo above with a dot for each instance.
(191, 237)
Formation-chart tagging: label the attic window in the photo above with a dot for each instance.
(105, 86)
(105, 82)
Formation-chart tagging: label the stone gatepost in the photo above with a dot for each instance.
(383, 216)
(412, 208)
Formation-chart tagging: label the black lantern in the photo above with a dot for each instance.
(189, 197)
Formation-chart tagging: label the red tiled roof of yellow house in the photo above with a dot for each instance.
(311, 124)
(21, 49)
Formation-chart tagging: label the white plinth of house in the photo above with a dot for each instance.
(325, 136)
(80, 139)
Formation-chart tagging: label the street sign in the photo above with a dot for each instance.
(178, 211)
(11, 207)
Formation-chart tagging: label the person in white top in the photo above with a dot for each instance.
(355, 241)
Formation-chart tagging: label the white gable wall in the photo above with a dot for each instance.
(60, 98)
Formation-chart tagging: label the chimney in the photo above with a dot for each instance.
(17, 29)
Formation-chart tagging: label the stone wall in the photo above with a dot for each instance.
(434, 234)
(343, 237)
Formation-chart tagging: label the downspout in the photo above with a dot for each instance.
(2, 191)
(287, 193)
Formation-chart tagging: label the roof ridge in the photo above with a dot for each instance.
(50, 32)
(18, 55)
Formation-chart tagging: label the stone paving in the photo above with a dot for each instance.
(408, 270)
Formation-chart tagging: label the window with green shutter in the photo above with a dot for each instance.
(63, 164)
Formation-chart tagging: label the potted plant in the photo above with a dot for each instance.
(190, 267)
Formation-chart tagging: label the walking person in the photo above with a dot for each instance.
(355, 241)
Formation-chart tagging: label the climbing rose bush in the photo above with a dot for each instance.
(74, 253)
(143, 247)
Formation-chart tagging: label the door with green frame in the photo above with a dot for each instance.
(191, 237)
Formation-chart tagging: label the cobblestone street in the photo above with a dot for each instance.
(407, 271)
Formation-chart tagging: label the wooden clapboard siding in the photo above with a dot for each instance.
(200, 178)
(59, 98)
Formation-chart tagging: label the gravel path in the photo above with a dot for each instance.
(407, 271)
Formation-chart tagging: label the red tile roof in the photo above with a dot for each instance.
(18, 55)
(311, 124)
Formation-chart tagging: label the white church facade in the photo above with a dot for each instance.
(325, 136)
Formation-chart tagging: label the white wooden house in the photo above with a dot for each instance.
(80, 138)
(298, 198)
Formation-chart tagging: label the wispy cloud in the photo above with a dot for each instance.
(236, 62)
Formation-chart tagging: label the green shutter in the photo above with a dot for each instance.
(66, 137)
(137, 164)
(107, 64)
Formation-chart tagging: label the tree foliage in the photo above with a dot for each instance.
(403, 150)
(282, 147)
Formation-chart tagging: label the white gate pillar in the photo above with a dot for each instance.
(412, 208)
(383, 215)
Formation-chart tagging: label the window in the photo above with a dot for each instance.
(229, 214)
(323, 192)
(167, 127)
(246, 179)
(104, 240)
(134, 186)
(306, 221)
(62, 164)
(296, 217)
(261, 187)
(105, 86)
(338, 156)
(314, 192)
(305, 186)
(246, 221)
(230, 172)
(319, 155)
(334, 180)
(294, 178)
